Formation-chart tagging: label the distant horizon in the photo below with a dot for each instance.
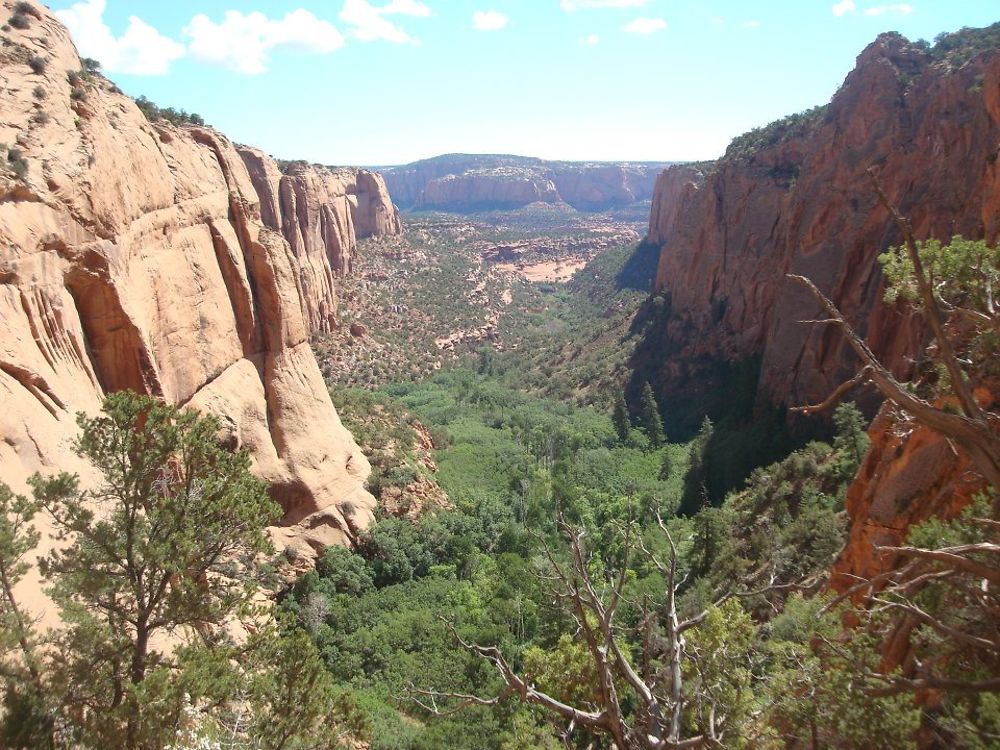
(386, 83)
(645, 162)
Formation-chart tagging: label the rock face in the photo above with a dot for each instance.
(910, 474)
(321, 213)
(465, 182)
(795, 198)
(165, 260)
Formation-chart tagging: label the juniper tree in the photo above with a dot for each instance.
(163, 547)
(24, 722)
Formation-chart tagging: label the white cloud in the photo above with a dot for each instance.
(406, 8)
(645, 26)
(751, 24)
(571, 5)
(141, 50)
(369, 24)
(488, 20)
(591, 40)
(244, 42)
(903, 9)
(843, 7)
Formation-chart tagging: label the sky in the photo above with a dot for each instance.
(382, 82)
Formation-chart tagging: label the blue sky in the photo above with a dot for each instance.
(390, 81)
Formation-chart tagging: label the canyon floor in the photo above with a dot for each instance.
(518, 285)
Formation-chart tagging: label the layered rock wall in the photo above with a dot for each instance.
(461, 182)
(163, 259)
(795, 198)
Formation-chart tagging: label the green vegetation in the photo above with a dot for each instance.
(19, 21)
(789, 127)
(509, 463)
(18, 164)
(957, 48)
(514, 466)
(168, 114)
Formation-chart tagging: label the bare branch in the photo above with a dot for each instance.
(927, 619)
(901, 685)
(975, 436)
(837, 394)
(954, 556)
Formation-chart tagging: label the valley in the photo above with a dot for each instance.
(491, 284)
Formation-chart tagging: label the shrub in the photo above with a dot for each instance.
(38, 92)
(19, 167)
(74, 78)
(41, 117)
(37, 65)
(78, 95)
(19, 21)
(90, 65)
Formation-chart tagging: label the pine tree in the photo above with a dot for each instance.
(666, 465)
(166, 543)
(649, 416)
(620, 418)
(697, 477)
(851, 440)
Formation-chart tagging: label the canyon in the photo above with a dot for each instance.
(446, 402)
(167, 259)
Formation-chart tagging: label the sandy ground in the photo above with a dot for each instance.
(551, 271)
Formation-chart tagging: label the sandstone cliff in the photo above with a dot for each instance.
(164, 259)
(466, 182)
(795, 198)
(321, 213)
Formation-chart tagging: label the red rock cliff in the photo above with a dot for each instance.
(795, 198)
(162, 259)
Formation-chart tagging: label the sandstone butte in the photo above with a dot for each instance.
(170, 261)
(797, 199)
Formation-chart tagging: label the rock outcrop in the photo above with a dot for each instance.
(465, 182)
(795, 197)
(164, 259)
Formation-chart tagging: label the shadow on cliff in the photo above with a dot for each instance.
(690, 385)
(639, 270)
